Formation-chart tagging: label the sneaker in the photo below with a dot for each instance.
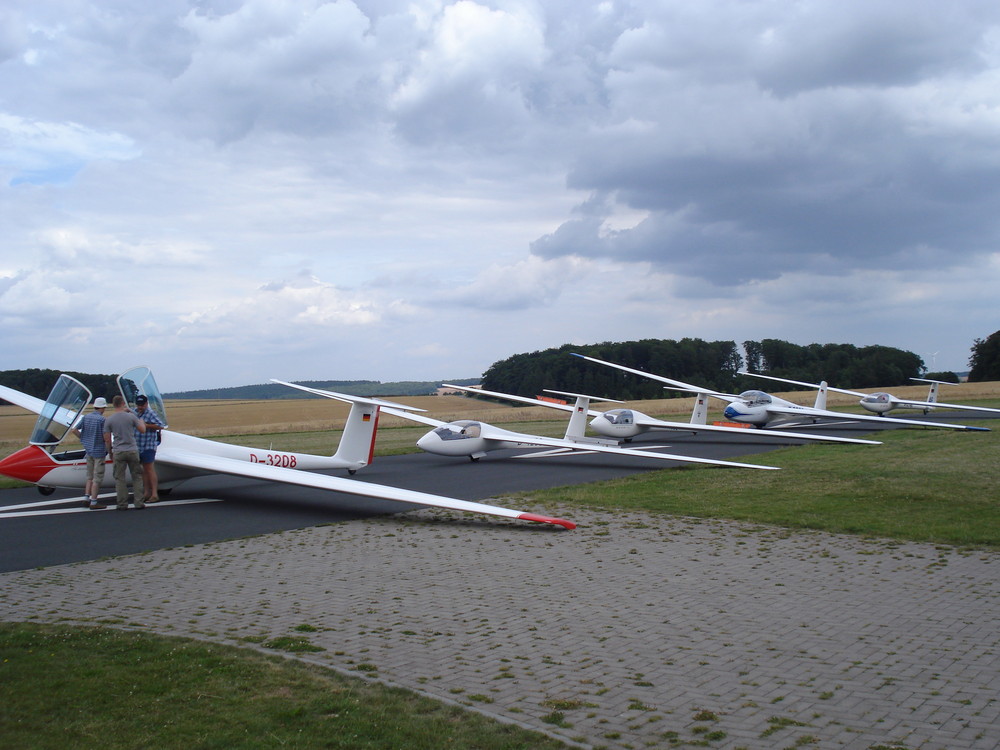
(121, 507)
(94, 505)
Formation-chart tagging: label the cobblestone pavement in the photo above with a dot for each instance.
(632, 631)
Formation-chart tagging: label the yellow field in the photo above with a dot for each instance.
(222, 418)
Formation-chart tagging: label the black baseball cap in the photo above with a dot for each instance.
(140, 399)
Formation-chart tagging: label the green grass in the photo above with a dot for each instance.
(102, 688)
(924, 485)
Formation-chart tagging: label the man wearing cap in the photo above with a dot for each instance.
(91, 434)
(147, 443)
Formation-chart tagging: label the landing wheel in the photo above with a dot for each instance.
(473, 458)
(352, 472)
(46, 491)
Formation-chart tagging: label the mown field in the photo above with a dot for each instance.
(287, 424)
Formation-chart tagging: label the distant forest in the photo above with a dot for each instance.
(712, 364)
(38, 383)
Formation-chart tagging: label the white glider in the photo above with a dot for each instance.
(474, 439)
(624, 424)
(181, 457)
(881, 402)
(761, 409)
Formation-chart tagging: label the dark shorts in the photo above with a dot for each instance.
(147, 457)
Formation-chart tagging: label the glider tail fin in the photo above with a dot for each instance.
(578, 419)
(699, 415)
(821, 395)
(357, 445)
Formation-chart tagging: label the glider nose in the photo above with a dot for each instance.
(732, 412)
(600, 425)
(28, 464)
(428, 442)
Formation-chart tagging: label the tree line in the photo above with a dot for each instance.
(38, 382)
(712, 364)
(985, 359)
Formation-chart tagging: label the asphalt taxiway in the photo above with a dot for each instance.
(57, 529)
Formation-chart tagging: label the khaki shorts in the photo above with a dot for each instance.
(95, 469)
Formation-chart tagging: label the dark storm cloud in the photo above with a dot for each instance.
(877, 154)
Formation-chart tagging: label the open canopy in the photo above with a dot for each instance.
(139, 380)
(60, 411)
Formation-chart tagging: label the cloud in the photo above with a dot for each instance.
(839, 170)
(526, 284)
(473, 78)
(302, 68)
(288, 310)
(52, 152)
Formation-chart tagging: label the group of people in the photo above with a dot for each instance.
(130, 437)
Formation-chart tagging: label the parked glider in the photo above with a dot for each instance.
(881, 402)
(762, 410)
(180, 457)
(624, 424)
(472, 438)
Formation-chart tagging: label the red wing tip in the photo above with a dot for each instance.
(547, 519)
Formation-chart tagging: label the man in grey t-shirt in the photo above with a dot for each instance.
(119, 436)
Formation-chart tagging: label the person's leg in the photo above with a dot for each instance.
(135, 470)
(99, 467)
(147, 458)
(150, 480)
(88, 486)
(121, 484)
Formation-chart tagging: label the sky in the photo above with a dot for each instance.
(230, 191)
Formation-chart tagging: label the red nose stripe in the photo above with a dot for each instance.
(28, 464)
(547, 519)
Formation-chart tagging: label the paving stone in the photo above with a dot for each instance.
(634, 626)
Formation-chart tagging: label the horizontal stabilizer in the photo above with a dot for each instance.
(803, 383)
(928, 380)
(583, 395)
(347, 397)
(519, 399)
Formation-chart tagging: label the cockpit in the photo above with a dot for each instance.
(619, 416)
(460, 430)
(755, 398)
(876, 398)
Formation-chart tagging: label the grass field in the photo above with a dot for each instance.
(74, 687)
(939, 486)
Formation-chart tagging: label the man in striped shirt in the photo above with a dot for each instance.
(91, 434)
